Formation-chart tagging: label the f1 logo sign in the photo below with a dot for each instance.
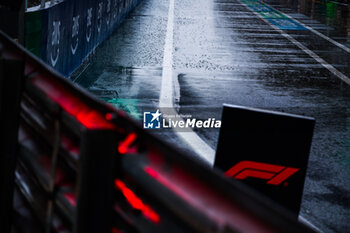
(275, 174)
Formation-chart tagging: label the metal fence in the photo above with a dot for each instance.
(70, 163)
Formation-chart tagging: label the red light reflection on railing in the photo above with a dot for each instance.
(136, 202)
(115, 230)
(68, 145)
(86, 115)
(124, 145)
(164, 181)
(109, 116)
(71, 198)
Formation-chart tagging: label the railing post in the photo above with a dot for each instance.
(11, 76)
(95, 183)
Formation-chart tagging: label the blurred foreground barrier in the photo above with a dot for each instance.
(81, 166)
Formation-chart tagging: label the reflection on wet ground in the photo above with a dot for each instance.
(335, 13)
(229, 52)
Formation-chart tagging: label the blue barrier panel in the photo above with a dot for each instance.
(261, 8)
(273, 16)
(72, 29)
(287, 24)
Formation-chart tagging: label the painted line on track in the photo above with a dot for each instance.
(167, 93)
(345, 48)
(320, 60)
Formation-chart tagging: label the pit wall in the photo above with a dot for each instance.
(65, 34)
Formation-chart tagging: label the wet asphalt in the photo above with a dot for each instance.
(224, 53)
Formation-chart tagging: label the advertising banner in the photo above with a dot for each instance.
(65, 34)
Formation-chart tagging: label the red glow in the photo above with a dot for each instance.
(124, 145)
(109, 116)
(71, 198)
(136, 202)
(86, 115)
(167, 183)
(152, 172)
(69, 145)
(115, 230)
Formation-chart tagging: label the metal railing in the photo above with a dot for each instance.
(74, 164)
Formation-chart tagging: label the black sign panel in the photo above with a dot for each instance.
(266, 150)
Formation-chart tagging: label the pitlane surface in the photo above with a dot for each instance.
(263, 69)
(224, 53)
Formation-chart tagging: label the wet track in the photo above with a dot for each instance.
(228, 51)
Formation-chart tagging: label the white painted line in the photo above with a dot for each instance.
(167, 93)
(305, 49)
(347, 49)
(308, 223)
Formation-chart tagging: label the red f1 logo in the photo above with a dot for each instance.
(275, 174)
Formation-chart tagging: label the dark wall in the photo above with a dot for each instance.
(69, 31)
